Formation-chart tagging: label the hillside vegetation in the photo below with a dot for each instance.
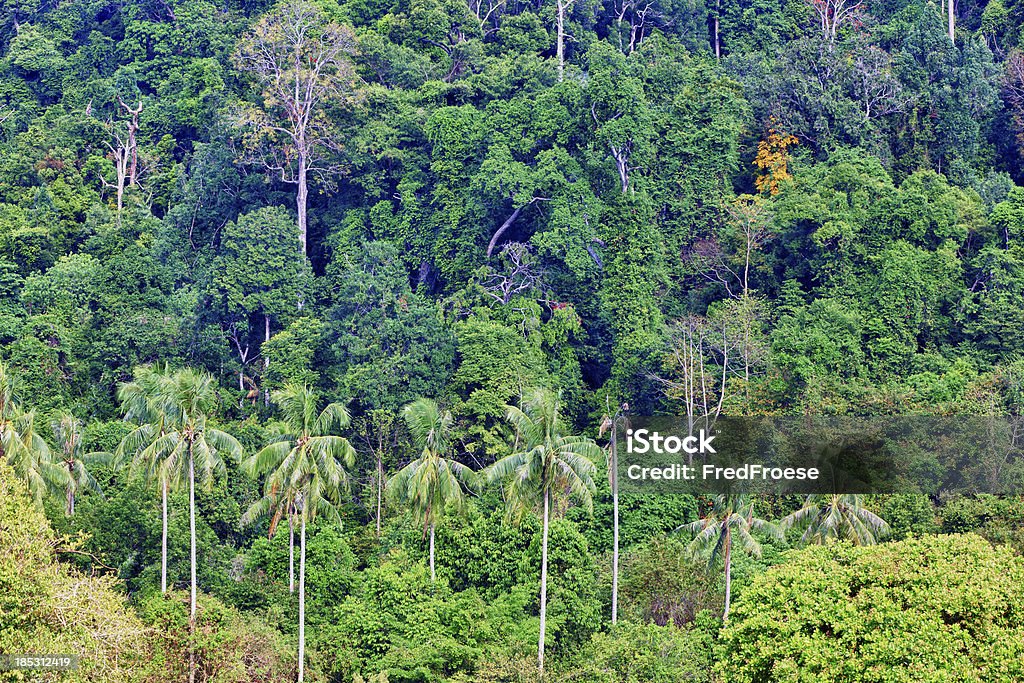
(316, 319)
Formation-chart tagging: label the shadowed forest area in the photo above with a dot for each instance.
(317, 320)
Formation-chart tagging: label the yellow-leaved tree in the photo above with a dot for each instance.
(773, 159)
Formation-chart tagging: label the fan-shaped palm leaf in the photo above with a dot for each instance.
(836, 516)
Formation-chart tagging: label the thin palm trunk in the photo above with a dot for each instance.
(728, 573)
(192, 549)
(291, 555)
(380, 489)
(433, 576)
(302, 597)
(163, 545)
(543, 587)
(615, 527)
(70, 491)
(266, 359)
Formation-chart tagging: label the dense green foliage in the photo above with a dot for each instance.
(364, 270)
(935, 609)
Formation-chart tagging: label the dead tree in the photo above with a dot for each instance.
(488, 13)
(834, 14)
(518, 274)
(124, 150)
(508, 223)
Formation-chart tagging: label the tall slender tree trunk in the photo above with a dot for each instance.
(302, 597)
(615, 524)
(266, 360)
(291, 554)
(380, 489)
(718, 48)
(301, 198)
(192, 555)
(70, 508)
(543, 586)
(433, 576)
(163, 544)
(949, 9)
(728, 573)
(561, 6)
(120, 164)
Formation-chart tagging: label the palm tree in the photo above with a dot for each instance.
(545, 462)
(730, 520)
(30, 456)
(430, 483)
(175, 434)
(67, 429)
(309, 459)
(610, 422)
(143, 402)
(22, 447)
(186, 398)
(838, 516)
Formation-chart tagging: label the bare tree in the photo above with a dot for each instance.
(751, 225)
(621, 153)
(302, 66)
(509, 221)
(379, 433)
(641, 17)
(237, 333)
(706, 351)
(711, 359)
(878, 89)
(727, 258)
(834, 14)
(517, 273)
(488, 13)
(700, 360)
(124, 149)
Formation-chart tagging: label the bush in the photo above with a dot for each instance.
(908, 514)
(49, 607)
(1000, 520)
(660, 584)
(941, 608)
(646, 653)
(228, 647)
(400, 623)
